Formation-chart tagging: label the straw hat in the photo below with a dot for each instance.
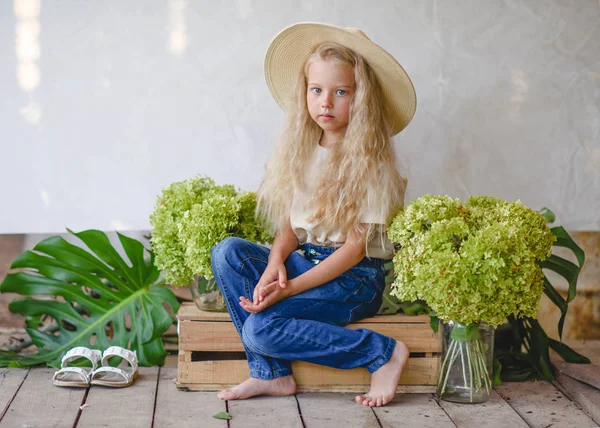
(290, 48)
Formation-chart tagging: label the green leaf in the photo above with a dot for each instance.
(568, 354)
(517, 375)
(538, 353)
(462, 333)
(558, 300)
(496, 379)
(222, 415)
(566, 269)
(548, 215)
(390, 305)
(563, 239)
(414, 308)
(99, 290)
(434, 321)
(204, 285)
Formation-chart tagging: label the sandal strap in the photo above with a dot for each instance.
(117, 351)
(117, 370)
(81, 351)
(83, 373)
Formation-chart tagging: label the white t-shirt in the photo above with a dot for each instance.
(307, 232)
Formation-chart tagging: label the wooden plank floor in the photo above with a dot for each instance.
(29, 399)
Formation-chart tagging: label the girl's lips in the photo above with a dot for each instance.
(326, 116)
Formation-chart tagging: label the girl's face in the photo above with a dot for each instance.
(329, 95)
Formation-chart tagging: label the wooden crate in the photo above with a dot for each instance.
(211, 355)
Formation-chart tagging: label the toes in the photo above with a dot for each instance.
(362, 399)
(226, 394)
(379, 401)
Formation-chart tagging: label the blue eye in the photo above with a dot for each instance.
(316, 90)
(340, 92)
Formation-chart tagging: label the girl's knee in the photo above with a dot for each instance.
(227, 244)
(227, 247)
(255, 334)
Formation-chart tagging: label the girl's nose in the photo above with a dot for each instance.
(326, 103)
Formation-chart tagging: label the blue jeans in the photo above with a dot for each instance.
(308, 326)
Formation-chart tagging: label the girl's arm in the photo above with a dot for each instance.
(284, 244)
(275, 273)
(348, 255)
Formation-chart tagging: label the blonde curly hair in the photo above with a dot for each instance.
(364, 159)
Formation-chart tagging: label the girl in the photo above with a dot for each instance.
(330, 188)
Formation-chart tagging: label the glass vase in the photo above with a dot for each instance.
(207, 295)
(467, 362)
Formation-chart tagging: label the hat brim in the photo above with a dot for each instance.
(289, 50)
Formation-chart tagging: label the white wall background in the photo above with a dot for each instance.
(102, 104)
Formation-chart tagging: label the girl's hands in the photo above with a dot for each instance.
(273, 294)
(275, 273)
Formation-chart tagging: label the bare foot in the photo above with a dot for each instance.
(385, 380)
(279, 387)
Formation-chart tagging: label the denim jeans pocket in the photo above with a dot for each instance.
(359, 289)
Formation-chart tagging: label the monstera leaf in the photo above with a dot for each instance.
(105, 300)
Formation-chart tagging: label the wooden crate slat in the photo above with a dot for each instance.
(189, 311)
(220, 336)
(418, 371)
(402, 389)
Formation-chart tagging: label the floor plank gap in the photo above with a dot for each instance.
(14, 395)
(83, 400)
(437, 400)
(227, 410)
(300, 411)
(156, 396)
(376, 417)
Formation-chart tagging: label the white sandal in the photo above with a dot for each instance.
(114, 376)
(76, 376)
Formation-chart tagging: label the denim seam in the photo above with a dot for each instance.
(264, 374)
(226, 296)
(352, 295)
(376, 365)
(243, 262)
(353, 275)
(362, 304)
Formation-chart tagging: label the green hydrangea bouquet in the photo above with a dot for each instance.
(192, 216)
(472, 263)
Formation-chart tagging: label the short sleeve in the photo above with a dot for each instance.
(372, 210)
